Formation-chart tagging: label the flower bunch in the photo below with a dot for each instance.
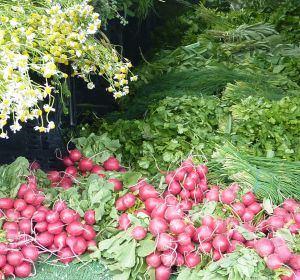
(51, 39)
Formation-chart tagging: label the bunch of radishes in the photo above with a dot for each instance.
(179, 242)
(78, 165)
(32, 229)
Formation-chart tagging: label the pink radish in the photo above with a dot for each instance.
(162, 273)
(153, 260)
(139, 233)
(111, 164)
(264, 247)
(75, 155)
(192, 260)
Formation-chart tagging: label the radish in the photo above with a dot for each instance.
(216, 255)
(124, 222)
(234, 187)
(238, 236)
(179, 260)
(52, 217)
(219, 226)
(250, 244)
(41, 226)
(8, 270)
(80, 246)
(248, 198)
(233, 245)
(255, 207)
(45, 239)
(189, 184)
(232, 222)
(179, 174)
(25, 226)
(71, 171)
(227, 196)
(159, 211)
(19, 204)
(294, 228)
(139, 233)
(203, 233)
(23, 270)
(194, 176)
(88, 232)
(23, 188)
(129, 200)
(264, 247)
(192, 260)
(53, 176)
(172, 213)
(75, 155)
(2, 261)
(164, 241)
(75, 228)
(89, 217)
(141, 211)
(59, 205)
(67, 161)
(6, 203)
(60, 240)
(283, 252)
(289, 205)
(174, 188)
(39, 216)
(55, 228)
(203, 186)
(187, 165)
(168, 258)
(120, 204)
(30, 252)
(197, 195)
(212, 195)
(162, 273)
(3, 248)
(208, 221)
(151, 203)
(294, 261)
(183, 239)
(118, 186)
(186, 205)
(111, 164)
(202, 170)
(169, 178)
(275, 222)
(297, 217)
(65, 255)
(190, 230)
(12, 214)
(67, 216)
(186, 249)
(248, 215)
(153, 260)
(99, 170)
(220, 243)
(66, 183)
(177, 226)
(239, 208)
(10, 226)
(147, 191)
(205, 247)
(280, 212)
(184, 194)
(91, 243)
(274, 262)
(14, 258)
(85, 164)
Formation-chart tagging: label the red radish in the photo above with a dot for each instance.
(248, 198)
(142, 213)
(179, 174)
(205, 247)
(52, 217)
(75, 155)
(169, 178)
(129, 200)
(283, 252)
(238, 236)
(147, 191)
(88, 232)
(184, 194)
(183, 239)
(220, 243)
(66, 183)
(111, 164)
(91, 243)
(274, 223)
(172, 213)
(124, 222)
(216, 255)
(6, 203)
(158, 226)
(2, 261)
(250, 244)
(99, 170)
(189, 184)
(185, 205)
(187, 165)
(232, 222)
(25, 226)
(59, 205)
(55, 228)
(190, 230)
(23, 188)
(12, 214)
(227, 196)
(233, 245)
(8, 270)
(208, 221)
(168, 258)
(294, 261)
(118, 186)
(289, 205)
(32, 179)
(194, 176)
(3, 248)
(192, 260)
(294, 228)
(39, 216)
(164, 241)
(288, 218)
(10, 226)
(196, 195)
(153, 260)
(297, 217)
(67, 161)
(14, 258)
(41, 226)
(239, 208)
(264, 247)
(71, 241)
(219, 226)
(177, 226)
(255, 207)
(174, 188)
(45, 239)
(234, 187)
(89, 217)
(120, 204)
(248, 215)
(203, 233)
(162, 273)
(274, 262)
(20, 204)
(65, 255)
(60, 240)
(85, 164)
(23, 270)
(75, 228)
(139, 233)
(280, 212)
(80, 246)
(185, 249)
(212, 195)
(151, 203)
(30, 252)
(179, 260)
(202, 170)
(203, 186)
(71, 171)
(67, 216)
(159, 211)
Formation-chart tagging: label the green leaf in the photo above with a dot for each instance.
(267, 206)
(145, 248)
(126, 256)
